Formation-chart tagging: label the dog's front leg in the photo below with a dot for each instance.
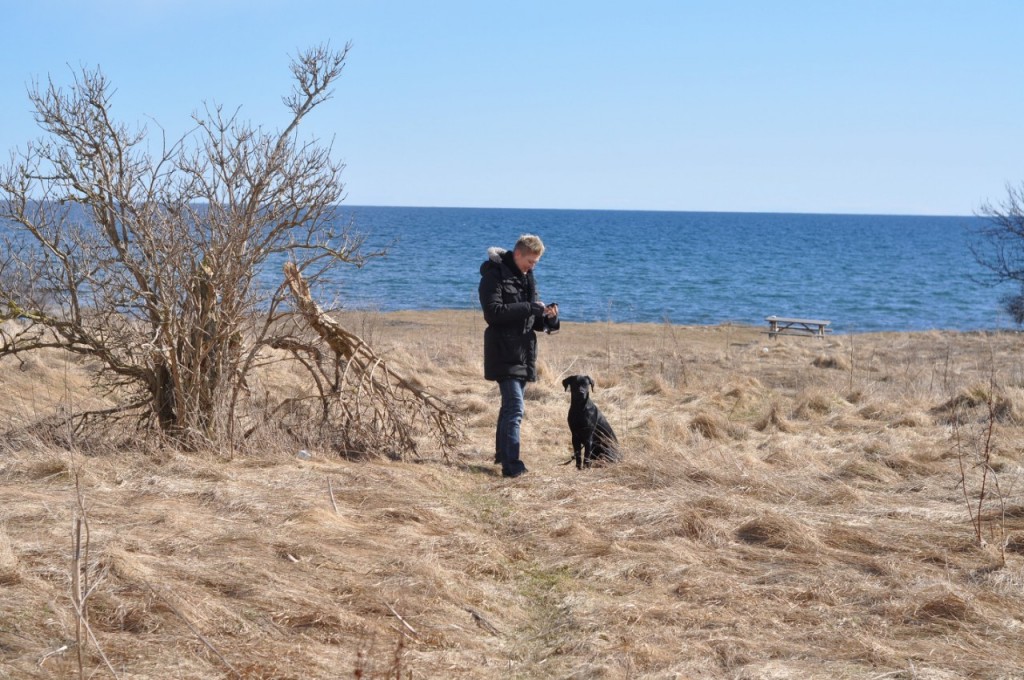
(577, 449)
(588, 448)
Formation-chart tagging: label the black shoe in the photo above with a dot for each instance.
(515, 473)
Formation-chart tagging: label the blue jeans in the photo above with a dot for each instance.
(506, 440)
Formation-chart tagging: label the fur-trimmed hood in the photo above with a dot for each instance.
(499, 257)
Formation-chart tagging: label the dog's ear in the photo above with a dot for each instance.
(591, 381)
(565, 383)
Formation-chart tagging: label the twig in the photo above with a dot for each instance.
(852, 363)
(44, 657)
(76, 592)
(566, 370)
(92, 636)
(482, 622)
(403, 621)
(195, 631)
(330, 492)
(80, 592)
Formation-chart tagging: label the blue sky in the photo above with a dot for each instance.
(849, 106)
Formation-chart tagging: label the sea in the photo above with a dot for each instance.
(863, 273)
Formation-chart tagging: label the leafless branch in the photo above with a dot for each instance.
(154, 259)
(370, 396)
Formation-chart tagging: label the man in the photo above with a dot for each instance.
(512, 310)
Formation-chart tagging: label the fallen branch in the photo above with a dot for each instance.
(483, 622)
(372, 398)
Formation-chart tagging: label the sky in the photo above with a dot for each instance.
(820, 106)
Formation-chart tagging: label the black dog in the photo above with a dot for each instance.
(593, 440)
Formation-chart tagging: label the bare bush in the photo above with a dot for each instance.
(998, 246)
(978, 476)
(153, 262)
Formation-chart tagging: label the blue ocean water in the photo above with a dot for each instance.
(862, 272)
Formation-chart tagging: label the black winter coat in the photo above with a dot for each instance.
(510, 302)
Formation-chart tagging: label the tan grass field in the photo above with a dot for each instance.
(788, 508)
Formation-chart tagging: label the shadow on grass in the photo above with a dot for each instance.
(481, 469)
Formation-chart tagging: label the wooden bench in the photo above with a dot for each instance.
(778, 325)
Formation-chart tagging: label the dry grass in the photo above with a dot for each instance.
(786, 509)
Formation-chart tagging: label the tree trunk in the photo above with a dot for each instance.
(163, 399)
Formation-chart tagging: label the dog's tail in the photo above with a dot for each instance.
(571, 459)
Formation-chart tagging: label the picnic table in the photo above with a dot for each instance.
(779, 325)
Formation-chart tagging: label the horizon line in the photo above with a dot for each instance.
(660, 210)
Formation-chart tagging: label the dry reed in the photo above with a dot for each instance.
(772, 518)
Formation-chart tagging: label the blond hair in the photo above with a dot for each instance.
(530, 243)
